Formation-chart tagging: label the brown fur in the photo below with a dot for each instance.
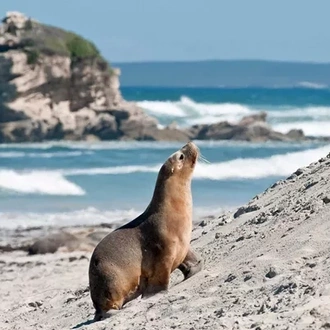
(138, 258)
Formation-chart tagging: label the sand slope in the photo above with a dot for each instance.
(267, 266)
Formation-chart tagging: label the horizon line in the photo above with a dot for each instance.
(221, 60)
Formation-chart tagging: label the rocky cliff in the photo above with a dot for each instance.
(55, 85)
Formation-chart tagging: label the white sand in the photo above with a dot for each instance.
(265, 269)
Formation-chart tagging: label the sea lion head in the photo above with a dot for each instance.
(182, 162)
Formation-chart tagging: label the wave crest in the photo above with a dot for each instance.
(315, 128)
(248, 168)
(21, 154)
(38, 182)
(195, 112)
(188, 112)
(87, 216)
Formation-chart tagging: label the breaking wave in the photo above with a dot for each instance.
(87, 216)
(192, 111)
(256, 168)
(188, 112)
(21, 154)
(315, 128)
(248, 168)
(38, 182)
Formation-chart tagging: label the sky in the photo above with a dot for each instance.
(184, 30)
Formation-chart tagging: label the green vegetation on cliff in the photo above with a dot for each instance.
(37, 39)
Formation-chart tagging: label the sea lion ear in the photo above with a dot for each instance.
(172, 170)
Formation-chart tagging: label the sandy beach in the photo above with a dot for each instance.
(266, 267)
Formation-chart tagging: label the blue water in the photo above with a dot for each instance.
(66, 183)
(298, 97)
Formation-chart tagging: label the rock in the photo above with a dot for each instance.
(326, 200)
(35, 304)
(97, 236)
(61, 240)
(173, 125)
(252, 128)
(245, 209)
(138, 126)
(219, 131)
(296, 134)
(260, 131)
(10, 248)
(14, 21)
(247, 278)
(271, 273)
(169, 134)
(220, 312)
(230, 278)
(104, 126)
(251, 119)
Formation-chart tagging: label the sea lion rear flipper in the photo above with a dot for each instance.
(191, 265)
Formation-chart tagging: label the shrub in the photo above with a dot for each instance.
(80, 48)
(28, 25)
(32, 56)
(38, 39)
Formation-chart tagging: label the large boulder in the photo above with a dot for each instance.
(104, 126)
(252, 119)
(219, 131)
(252, 128)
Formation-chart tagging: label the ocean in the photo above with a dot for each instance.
(73, 183)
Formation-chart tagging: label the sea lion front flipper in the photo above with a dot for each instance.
(192, 264)
(159, 281)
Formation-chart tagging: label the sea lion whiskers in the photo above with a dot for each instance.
(203, 159)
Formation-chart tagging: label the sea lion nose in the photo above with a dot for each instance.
(191, 146)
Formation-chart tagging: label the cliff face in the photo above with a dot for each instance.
(55, 85)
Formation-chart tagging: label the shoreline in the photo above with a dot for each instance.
(260, 271)
(19, 238)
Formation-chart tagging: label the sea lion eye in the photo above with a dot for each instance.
(181, 157)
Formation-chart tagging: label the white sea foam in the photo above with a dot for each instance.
(12, 154)
(112, 170)
(312, 85)
(90, 146)
(38, 182)
(311, 112)
(248, 168)
(55, 182)
(124, 145)
(255, 168)
(87, 216)
(314, 128)
(193, 111)
(163, 108)
(21, 154)
(189, 112)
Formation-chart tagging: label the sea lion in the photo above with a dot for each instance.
(53, 242)
(67, 242)
(138, 258)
